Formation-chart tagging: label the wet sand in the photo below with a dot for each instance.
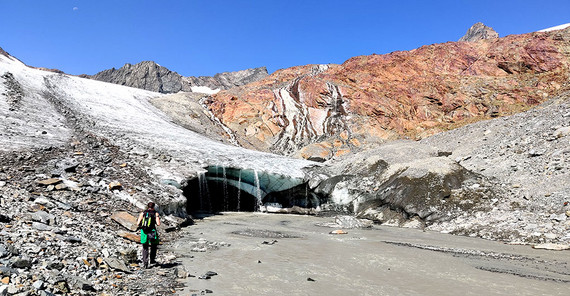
(271, 254)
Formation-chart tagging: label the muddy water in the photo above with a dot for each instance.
(275, 255)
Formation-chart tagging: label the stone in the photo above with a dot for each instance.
(55, 266)
(38, 285)
(115, 186)
(51, 181)
(3, 290)
(559, 217)
(5, 219)
(338, 231)
(5, 280)
(45, 293)
(562, 132)
(6, 271)
(3, 251)
(41, 227)
(43, 217)
(80, 283)
(125, 219)
(22, 263)
(130, 236)
(60, 187)
(551, 246)
(117, 264)
(348, 222)
(73, 239)
(62, 286)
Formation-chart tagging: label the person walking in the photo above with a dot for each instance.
(147, 223)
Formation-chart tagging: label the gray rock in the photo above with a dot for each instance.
(151, 76)
(7, 271)
(73, 239)
(562, 132)
(55, 265)
(38, 285)
(560, 218)
(41, 227)
(479, 32)
(117, 264)
(3, 290)
(43, 217)
(22, 263)
(80, 283)
(45, 293)
(3, 251)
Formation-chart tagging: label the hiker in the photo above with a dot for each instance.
(147, 222)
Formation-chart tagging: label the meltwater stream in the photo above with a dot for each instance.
(221, 189)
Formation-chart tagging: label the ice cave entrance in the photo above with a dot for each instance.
(220, 189)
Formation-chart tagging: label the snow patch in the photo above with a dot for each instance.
(204, 90)
(560, 27)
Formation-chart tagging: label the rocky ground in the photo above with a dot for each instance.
(65, 224)
(527, 156)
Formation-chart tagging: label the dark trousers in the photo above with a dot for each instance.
(153, 249)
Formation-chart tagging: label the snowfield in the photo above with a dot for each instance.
(122, 114)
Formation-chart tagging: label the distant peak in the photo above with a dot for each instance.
(4, 53)
(479, 32)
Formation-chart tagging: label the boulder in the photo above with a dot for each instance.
(125, 219)
(130, 236)
(50, 181)
(117, 264)
(398, 181)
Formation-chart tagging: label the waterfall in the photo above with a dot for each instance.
(225, 188)
(258, 189)
(239, 192)
(203, 191)
(307, 195)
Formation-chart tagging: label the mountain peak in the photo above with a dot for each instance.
(479, 32)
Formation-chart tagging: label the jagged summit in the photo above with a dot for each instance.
(3, 52)
(479, 32)
(151, 76)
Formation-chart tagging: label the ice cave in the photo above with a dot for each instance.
(220, 189)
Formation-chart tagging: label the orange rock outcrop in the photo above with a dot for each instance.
(326, 110)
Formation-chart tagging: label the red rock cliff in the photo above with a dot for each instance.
(325, 110)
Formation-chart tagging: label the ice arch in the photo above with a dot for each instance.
(222, 188)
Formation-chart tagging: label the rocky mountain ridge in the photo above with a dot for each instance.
(151, 76)
(325, 111)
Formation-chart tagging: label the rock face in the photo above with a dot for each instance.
(526, 155)
(400, 181)
(479, 32)
(149, 75)
(144, 75)
(227, 80)
(325, 111)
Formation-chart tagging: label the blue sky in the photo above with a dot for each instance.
(206, 37)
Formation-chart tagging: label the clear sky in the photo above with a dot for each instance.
(206, 37)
